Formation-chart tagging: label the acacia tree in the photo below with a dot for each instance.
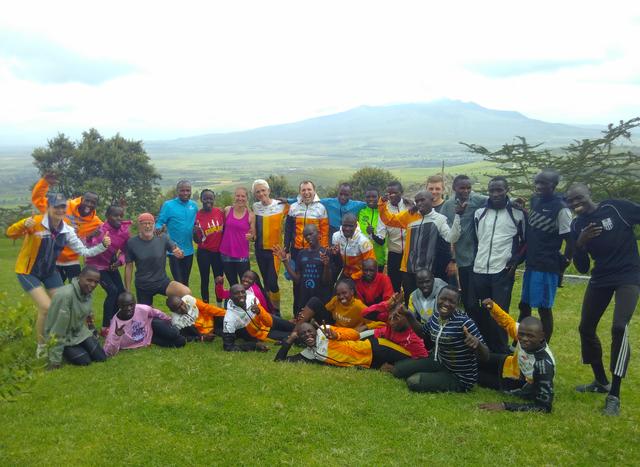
(367, 177)
(610, 169)
(117, 169)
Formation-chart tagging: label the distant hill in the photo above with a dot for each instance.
(433, 128)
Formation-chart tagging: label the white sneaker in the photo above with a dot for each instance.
(41, 351)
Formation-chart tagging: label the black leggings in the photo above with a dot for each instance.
(267, 266)
(181, 268)
(320, 313)
(393, 270)
(87, 351)
(382, 354)
(427, 375)
(111, 282)
(208, 261)
(280, 329)
(165, 335)
(233, 270)
(594, 305)
(69, 272)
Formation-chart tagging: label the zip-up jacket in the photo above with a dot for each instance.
(42, 245)
(353, 251)
(422, 235)
(66, 319)
(199, 315)
(115, 251)
(395, 236)
(269, 220)
(81, 225)
(447, 338)
(301, 214)
(346, 350)
(500, 238)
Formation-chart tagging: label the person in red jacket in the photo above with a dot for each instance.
(373, 287)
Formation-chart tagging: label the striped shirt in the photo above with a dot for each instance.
(449, 347)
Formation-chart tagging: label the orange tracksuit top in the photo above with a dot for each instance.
(353, 252)
(347, 350)
(83, 226)
(301, 214)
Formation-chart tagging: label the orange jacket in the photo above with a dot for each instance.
(83, 226)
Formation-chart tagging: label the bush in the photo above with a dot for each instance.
(17, 349)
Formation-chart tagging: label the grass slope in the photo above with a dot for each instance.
(200, 405)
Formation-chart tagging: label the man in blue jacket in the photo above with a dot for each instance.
(178, 216)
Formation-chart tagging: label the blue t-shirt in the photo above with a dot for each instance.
(179, 217)
(335, 210)
(615, 250)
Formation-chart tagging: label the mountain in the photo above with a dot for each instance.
(405, 129)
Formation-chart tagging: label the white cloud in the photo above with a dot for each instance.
(195, 67)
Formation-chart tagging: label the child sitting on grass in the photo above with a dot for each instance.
(137, 325)
(194, 318)
(531, 367)
(343, 310)
(251, 281)
(247, 319)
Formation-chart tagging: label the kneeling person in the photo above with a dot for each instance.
(67, 322)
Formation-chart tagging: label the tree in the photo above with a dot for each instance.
(610, 169)
(280, 187)
(117, 169)
(368, 177)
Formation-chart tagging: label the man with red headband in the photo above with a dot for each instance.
(148, 252)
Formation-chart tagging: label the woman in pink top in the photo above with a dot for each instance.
(137, 326)
(239, 230)
(110, 260)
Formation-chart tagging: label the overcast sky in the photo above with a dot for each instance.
(156, 70)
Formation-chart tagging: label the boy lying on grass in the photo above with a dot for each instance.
(530, 368)
(247, 319)
(137, 325)
(194, 318)
(340, 347)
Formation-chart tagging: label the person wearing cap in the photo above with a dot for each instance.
(148, 252)
(45, 236)
(80, 215)
(178, 216)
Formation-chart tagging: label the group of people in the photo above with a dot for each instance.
(376, 283)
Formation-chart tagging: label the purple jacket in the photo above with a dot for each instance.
(119, 239)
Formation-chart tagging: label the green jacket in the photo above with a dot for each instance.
(370, 216)
(66, 319)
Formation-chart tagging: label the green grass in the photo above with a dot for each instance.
(200, 405)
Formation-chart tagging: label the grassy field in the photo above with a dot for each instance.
(199, 405)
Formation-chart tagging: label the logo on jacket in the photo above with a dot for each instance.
(607, 224)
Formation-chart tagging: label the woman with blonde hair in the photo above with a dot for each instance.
(239, 229)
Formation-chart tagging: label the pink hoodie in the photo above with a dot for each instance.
(137, 330)
(119, 239)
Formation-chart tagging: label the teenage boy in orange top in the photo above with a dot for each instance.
(352, 246)
(194, 318)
